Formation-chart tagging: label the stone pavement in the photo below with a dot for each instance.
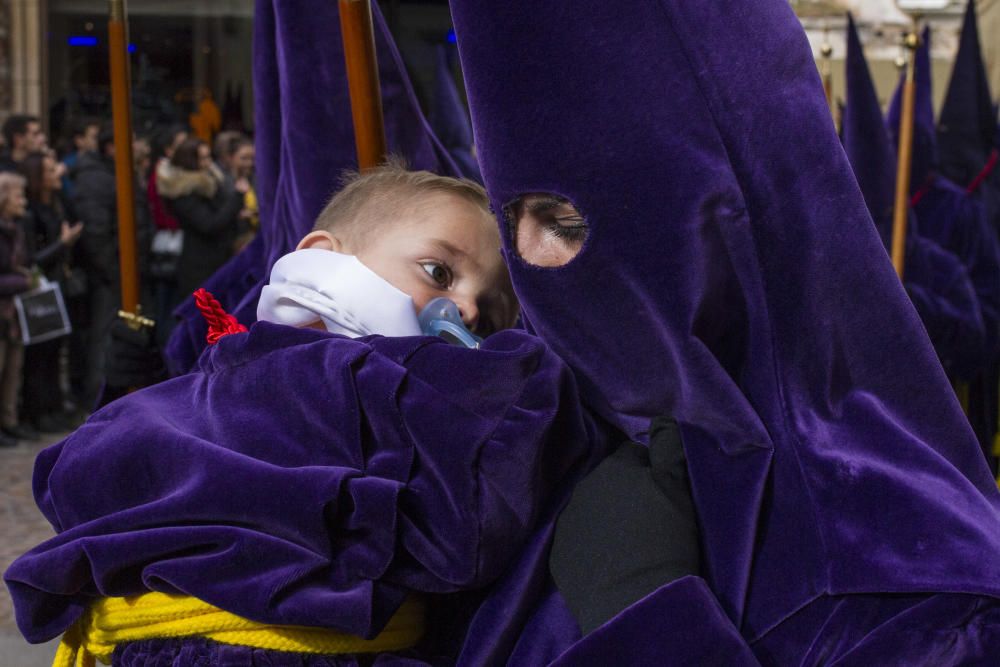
(22, 526)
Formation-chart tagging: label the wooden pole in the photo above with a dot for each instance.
(124, 170)
(826, 52)
(905, 157)
(362, 81)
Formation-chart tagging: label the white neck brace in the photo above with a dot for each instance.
(348, 297)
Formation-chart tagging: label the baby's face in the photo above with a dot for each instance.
(446, 246)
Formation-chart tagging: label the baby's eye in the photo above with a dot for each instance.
(438, 272)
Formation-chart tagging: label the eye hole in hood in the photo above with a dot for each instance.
(546, 229)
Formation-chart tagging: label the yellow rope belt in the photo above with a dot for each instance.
(113, 621)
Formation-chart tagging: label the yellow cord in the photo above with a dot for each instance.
(112, 621)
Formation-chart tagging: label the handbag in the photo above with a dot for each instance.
(166, 253)
(168, 242)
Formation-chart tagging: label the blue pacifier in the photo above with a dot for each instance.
(440, 317)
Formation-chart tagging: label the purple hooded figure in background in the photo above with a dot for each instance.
(304, 141)
(937, 282)
(947, 214)
(731, 278)
(969, 140)
(967, 128)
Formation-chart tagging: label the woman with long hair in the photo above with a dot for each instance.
(195, 192)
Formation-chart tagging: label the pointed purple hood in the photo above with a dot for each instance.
(732, 279)
(866, 138)
(968, 121)
(925, 151)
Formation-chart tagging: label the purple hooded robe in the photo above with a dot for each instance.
(969, 138)
(949, 215)
(733, 279)
(945, 212)
(937, 282)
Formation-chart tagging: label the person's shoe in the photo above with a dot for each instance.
(6, 441)
(21, 432)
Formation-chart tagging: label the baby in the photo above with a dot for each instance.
(388, 243)
(301, 495)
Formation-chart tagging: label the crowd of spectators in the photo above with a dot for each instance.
(195, 208)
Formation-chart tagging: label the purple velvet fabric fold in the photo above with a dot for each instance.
(304, 141)
(705, 636)
(947, 215)
(941, 291)
(732, 278)
(303, 478)
(199, 653)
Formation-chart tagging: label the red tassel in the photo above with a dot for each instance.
(220, 323)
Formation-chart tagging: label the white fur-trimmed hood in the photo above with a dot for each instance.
(173, 182)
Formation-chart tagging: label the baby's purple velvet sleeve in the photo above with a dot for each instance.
(304, 478)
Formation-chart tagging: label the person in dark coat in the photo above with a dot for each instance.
(207, 209)
(50, 239)
(95, 200)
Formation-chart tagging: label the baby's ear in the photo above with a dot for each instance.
(320, 240)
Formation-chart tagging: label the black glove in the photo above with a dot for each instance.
(629, 528)
(134, 360)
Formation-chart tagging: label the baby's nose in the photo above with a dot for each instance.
(469, 312)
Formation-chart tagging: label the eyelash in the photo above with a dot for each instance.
(576, 232)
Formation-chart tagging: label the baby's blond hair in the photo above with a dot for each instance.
(376, 196)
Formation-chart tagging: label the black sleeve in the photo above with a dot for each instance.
(50, 255)
(206, 216)
(95, 204)
(629, 528)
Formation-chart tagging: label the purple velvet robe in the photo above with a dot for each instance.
(732, 278)
(304, 141)
(303, 478)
